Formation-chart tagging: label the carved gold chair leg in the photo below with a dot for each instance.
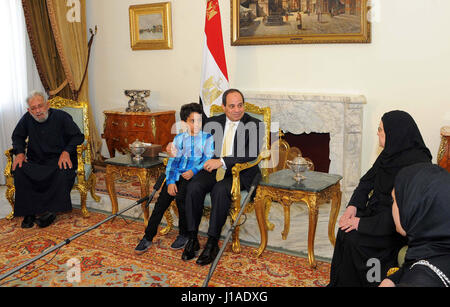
(236, 246)
(83, 197)
(10, 197)
(169, 218)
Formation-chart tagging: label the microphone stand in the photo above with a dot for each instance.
(231, 230)
(161, 179)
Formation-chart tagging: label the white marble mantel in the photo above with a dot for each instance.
(340, 115)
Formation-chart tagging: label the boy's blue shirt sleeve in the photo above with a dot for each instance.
(208, 152)
(173, 163)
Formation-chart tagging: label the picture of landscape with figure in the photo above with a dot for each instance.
(260, 22)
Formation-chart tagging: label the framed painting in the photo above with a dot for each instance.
(151, 26)
(265, 22)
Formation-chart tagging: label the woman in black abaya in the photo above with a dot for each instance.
(366, 229)
(421, 212)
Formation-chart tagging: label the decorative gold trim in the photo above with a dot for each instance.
(154, 128)
(442, 147)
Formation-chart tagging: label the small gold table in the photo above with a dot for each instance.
(146, 169)
(318, 188)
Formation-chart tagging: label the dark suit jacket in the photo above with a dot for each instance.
(247, 145)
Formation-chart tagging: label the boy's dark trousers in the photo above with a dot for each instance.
(161, 206)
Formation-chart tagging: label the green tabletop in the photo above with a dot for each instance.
(314, 181)
(126, 160)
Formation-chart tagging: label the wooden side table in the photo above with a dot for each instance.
(318, 188)
(125, 166)
(123, 128)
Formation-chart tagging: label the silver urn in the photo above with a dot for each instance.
(299, 165)
(137, 148)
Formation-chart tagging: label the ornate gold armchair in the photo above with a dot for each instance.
(85, 180)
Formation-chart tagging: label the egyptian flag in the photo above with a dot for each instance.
(214, 70)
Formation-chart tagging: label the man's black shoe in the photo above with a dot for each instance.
(209, 253)
(46, 219)
(190, 250)
(28, 221)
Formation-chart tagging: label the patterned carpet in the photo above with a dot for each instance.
(129, 188)
(106, 258)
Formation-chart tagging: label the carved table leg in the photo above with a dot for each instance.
(334, 212)
(109, 180)
(143, 176)
(313, 216)
(287, 217)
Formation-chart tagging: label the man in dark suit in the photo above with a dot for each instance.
(237, 140)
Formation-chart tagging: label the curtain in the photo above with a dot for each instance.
(44, 48)
(58, 37)
(13, 73)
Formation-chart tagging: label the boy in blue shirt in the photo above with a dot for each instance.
(194, 147)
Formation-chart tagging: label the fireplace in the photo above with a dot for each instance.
(339, 116)
(315, 146)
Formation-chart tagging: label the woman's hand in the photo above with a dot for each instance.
(348, 213)
(348, 220)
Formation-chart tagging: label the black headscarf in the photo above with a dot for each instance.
(404, 146)
(422, 192)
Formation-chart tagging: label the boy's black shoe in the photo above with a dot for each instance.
(143, 246)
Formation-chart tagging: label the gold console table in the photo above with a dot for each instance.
(318, 188)
(146, 169)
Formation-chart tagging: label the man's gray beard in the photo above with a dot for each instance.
(40, 120)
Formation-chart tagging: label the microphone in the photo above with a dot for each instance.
(256, 180)
(159, 182)
(255, 183)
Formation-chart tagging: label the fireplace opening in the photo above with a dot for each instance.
(315, 146)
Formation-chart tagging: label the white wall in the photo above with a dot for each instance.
(405, 67)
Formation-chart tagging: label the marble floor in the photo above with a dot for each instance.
(295, 244)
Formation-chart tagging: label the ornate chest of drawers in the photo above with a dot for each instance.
(123, 128)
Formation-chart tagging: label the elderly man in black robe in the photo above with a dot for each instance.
(44, 166)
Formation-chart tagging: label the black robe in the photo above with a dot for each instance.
(376, 236)
(422, 193)
(40, 185)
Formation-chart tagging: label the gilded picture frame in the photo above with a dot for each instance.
(151, 26)
(267, 22)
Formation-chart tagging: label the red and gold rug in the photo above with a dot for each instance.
(105, 257)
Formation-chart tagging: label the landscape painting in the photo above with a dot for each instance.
(151, 26)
